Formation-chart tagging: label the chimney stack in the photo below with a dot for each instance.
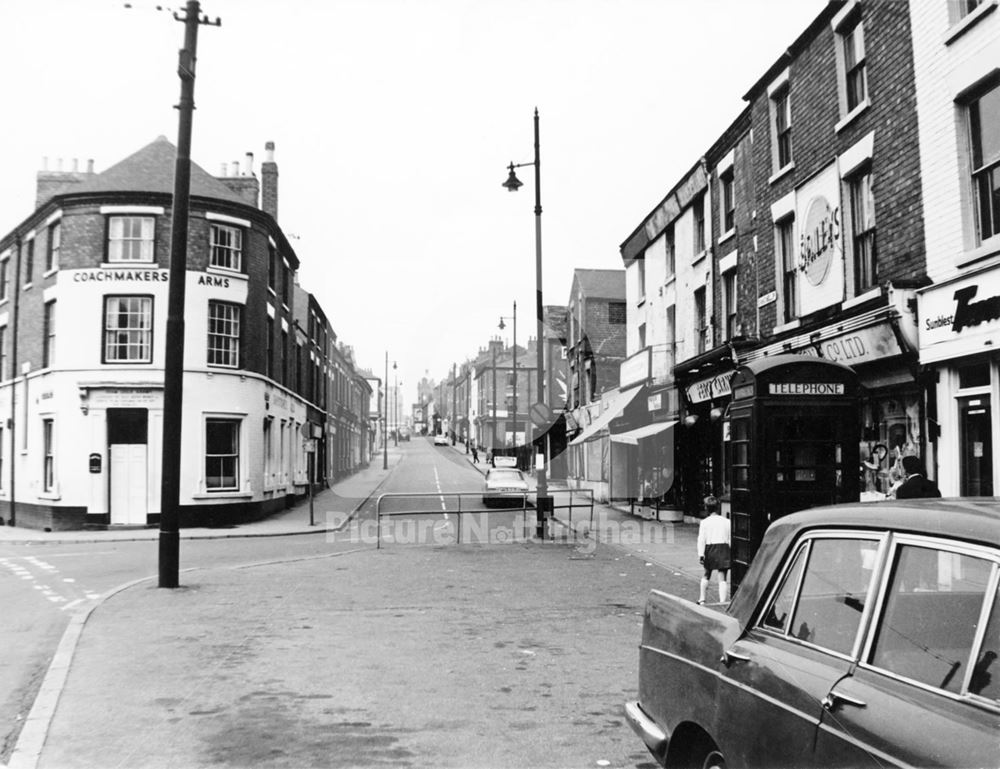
(49, 183)
(269, 182)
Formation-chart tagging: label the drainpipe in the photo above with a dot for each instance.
(15, 285)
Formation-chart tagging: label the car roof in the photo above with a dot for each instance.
(968, 519)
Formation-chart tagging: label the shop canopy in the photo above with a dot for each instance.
(614, 408)
(632, 436)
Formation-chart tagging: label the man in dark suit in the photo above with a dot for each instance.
(916, 486)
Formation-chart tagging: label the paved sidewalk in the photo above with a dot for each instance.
(332, 508)
(634, 543)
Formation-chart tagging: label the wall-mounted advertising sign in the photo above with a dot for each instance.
(958, 318)
(820, 259)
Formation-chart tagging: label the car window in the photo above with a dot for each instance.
(780, 611)
(505, 475)
(985, 680)
(932, 611)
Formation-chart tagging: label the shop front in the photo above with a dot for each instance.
(642, 448)
(959, 341)
(880, 345)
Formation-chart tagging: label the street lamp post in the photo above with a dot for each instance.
(512, 184)
(514, 364)
(395, 407)
(384, 412)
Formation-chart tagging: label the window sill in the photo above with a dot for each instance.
(226, 271)
(271, 292)
(727, 235)
(699, 256)
(790, 326)
(966, 23)
(27, 286)
(50, 273)
(988, 247)
(781, 172)
(130, 265)
(854, 301)
(50, 495)
(223, 495)
(852, 115)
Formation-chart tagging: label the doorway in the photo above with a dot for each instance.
(128, 472)
(976, 446)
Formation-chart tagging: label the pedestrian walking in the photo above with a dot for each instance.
(916, 486)
(713, 550)
(475, 454)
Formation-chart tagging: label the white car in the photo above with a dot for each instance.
(505, 485)
(440, 439)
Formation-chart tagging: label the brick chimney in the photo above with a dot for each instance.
(269, 182)
(50, 183)
(244, 183)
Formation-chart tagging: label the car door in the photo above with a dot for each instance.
(802, 642)
(927, 691)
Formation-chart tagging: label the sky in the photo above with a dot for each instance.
(394, 122)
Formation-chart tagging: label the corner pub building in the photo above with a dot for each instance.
(84, 283)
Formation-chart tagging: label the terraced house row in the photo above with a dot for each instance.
(851, 212)
(83, 305)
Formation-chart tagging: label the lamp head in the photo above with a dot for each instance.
(513, 183)
(502, 326)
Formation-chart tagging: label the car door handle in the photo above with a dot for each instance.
(831, 700)
(729, 656)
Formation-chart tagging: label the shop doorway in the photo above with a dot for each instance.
(977, 447)
(128, 472)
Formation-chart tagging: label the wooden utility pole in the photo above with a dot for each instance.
(173, 374)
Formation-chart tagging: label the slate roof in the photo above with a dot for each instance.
(604, 284)
(151, 169)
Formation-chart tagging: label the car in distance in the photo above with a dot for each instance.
(440, 439)
(505, 486)
(861, 635)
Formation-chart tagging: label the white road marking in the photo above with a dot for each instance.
(437, 482)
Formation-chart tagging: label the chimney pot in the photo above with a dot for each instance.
(59, 164)
(268, 152)
(90, 165)
(223, 171)
(248, 165)
(234, 168)
(76, 165)
(45, 162)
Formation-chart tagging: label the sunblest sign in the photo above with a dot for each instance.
(961, 317)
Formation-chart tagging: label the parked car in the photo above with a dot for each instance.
(505, 486)
(862, 635)
(440, 439)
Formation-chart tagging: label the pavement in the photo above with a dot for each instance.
(668, 545)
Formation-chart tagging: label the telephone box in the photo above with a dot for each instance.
(794, 434)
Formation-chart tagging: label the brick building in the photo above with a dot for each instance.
(799, 231)
(595, 349)
(83, 297)
(839, 218)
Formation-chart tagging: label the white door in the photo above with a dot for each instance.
(128, 483)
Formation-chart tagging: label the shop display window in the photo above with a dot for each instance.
(891, 432)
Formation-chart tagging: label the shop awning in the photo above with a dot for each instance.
(616, 407)
(632, 436)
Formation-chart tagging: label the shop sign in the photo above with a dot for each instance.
(806, 388)
(956, 317)
(820, 262)
(861, 346)
(120, 276)
(769, 298)
(709, 389)
(125, 397)
(635, 369)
